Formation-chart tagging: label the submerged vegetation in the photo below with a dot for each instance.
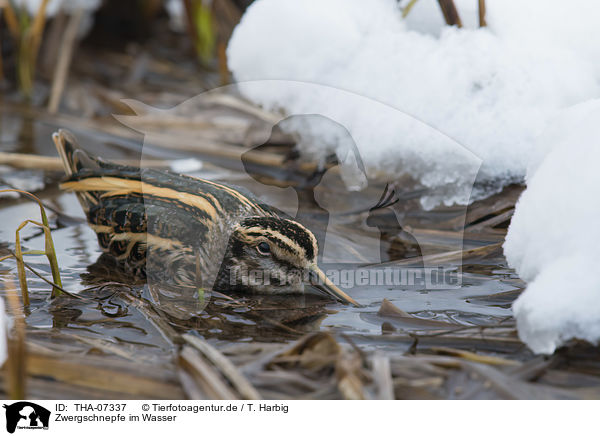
(48, 251)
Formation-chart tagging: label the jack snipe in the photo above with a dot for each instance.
(190, 232)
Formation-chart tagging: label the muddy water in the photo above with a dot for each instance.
(484, 297)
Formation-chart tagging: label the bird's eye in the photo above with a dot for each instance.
(263, 248)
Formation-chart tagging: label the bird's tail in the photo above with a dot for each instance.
(73, 157)
(75, 160)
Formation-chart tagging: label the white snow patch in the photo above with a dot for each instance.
(562, 303)
(554, 241)
(3, 333)
(176, 11)
(188, 165)
(493, 90)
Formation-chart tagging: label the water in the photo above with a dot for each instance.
(114, 314)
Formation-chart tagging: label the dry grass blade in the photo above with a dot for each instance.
(1, 68)
(27, 161)
(534, 368)
(235, 377)
(441, 258)
(51, 163)
(106, 347)
(348, 370)
(490, 206)
(49, 249)
(406, 10)
(183, 143)
(11, 20)
(485, 381)
(61, 70)
(30, 40)
(97, 373)
(318, 356)
(208, 380)
(21, 268)
(494, 221)
(474, 357)
(191, 389)
(49, 252)
(16, 366)
(38, 28)
(291, 383)
(387, 308)
(212, 148)
(314, 351)
(450, 13)
(40, 276)
(382, 377)
(243, 106)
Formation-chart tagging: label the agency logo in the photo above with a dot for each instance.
(26, 415)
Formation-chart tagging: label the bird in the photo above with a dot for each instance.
(187, 232)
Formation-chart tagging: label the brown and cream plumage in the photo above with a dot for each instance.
(191, 232)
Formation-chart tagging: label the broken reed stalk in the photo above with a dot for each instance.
(13, 27)
(48, 249)
(65, 55)
(28, 161)
(450, 13)
(482, 22)
(225, 366)
(16, 364)
(223, 69)
(51, 163)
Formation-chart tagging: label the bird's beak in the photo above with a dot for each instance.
(320, 281)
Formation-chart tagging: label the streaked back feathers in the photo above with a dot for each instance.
(190, 232)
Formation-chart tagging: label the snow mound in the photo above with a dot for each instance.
(562, 303)
(553, 239)
(493, 90)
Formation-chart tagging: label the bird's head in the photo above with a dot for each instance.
(274, 255)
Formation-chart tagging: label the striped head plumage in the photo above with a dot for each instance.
(190, 232)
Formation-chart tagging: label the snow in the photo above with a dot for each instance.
(517, 101)
(53, 6)
(176, 11)
(3, 333)
(492, 90)
(562, 303)
(553, 238)
(186, 165)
